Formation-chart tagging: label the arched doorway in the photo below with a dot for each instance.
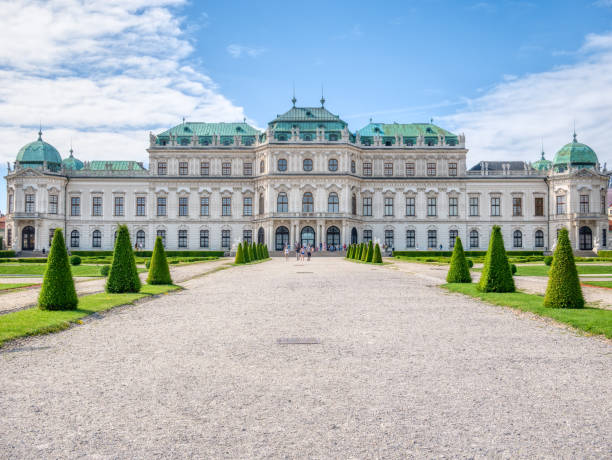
(282, 238)
(307, 236)
(586, 239)
(27, 238)
(354, 236)
(333, 237)
(260, 235)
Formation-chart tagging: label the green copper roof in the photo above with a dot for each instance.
(308, 120)
(307, 114)
(406, 130)
(37, 152)
(575, 154)
(115, 165)
(208, 129)
(72, 163)
(542, 164)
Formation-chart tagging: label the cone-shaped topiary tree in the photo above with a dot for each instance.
(251, 254)
(57, 292)
(260, 251)
(496, 274)
(123, 276)
(370, 254)
(239, 255)
(458, 272)
(360, 253)
(266, 253)
(245, 252)
(255, 253)
(377, 258)
(364, 253)
(349, 253)
(563, 290)
(159, 272)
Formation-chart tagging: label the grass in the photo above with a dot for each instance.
(592, 320)
(39, 269)
(33, 321)
(605, 284)
(542, 270)
(7, 286)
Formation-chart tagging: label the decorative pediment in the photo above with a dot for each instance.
(29, 172)
(161, 190)
(204, 191)
(584, 187)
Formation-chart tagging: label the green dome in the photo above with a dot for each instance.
(37, 152)
(576, 155)
(72, 163)
(542, 164)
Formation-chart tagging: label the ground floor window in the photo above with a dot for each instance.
(182, 238)
(585, 239)
(539, 239)
(517, 239)
(140, 238)
(282, 238)
(260, 235)
(389, 238)
(308, 236)
(203, 238)
(247, 236)
(96, 239)
(432, 239)
(225, 238)
(604, 237)
(9, 237)
(51, 234)
(333, 237)
(410, 238)
(74, 239)
(367, 235)
(473, 239)
(452, 237)
(162, 235)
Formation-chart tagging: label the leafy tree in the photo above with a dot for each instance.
(123, 276)
(58, 292)
(370, 253)
(496, 274)
(159, 272)
(459, 271)
(377, 257)
(239, 255)
(563, 290)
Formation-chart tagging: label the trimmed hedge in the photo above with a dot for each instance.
(239, 255)
(9, 253)
(548, 261)
(159, 273)
(266, 253)
(496, 274)
(123, 276)
(147, 253)
(459, 271)
(511, 253)
(563, 289)
(58, 292)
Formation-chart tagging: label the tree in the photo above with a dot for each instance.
(377, 258)
(123, 276)
(496, 274)
(266, 253)
(349, 253)
(370, 253)
(358, 253)
(255, 253)
(245, 252)
(459, 271)
(58, 292)
(239, 255)
(260, 254)
(364, 253)
(563, 290)
(159, 272)
(251, 255)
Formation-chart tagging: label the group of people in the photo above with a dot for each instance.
(305, 251)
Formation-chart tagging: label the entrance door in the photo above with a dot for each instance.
(333, 237)
(282, 238)
(27, 239)
(308, 236)
(586, 239)
(354, 236)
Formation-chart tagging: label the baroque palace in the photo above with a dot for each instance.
(307, 179)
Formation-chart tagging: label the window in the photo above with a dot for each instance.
(367, 235)
(74, 239)
(118, 206)
(517, 206)
(353, 167)
(140, 238)
(431, 169)
(431, 206)
(410, 206)
(367, 169)
(75, 206)
(247, 236)
(432, 239)
(204, 206)
(247, 168)
(161, 205)
(307, 202)
(452, 169)
(51, 235)
(473, 206)
(560, 204)
(225, 238)
(30, 205)
(388, 169)
(604, 237)
(474, 239)
(332, 165)
(203, 238)
(96, 239)
(183, 168)
(517, 239)
(539, 206)
(389, 238)
(410, 239)
(226, 206)
(354, 205)
(204, 168)
(584, 203)
(282, 165)
(388, 206)
(9, 237)
(307, 164)
(226, 169)
(11, 201)
(453, 206)
(183, 206)
(247, 206)
(162, 235)
(96, 206)
(495, 206)
(333, 203)
(539, 239)
(603, 203)
(182, 238)
(53, 201)
(262, 167)
(141, 206)
(162, 168)
(452, 237)
(367, 206)
(410, 169)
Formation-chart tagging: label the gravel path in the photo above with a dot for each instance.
(404, 369)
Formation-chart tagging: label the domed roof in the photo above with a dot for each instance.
(37, 152)
(72, 163)
(575, 154)
(542, 164)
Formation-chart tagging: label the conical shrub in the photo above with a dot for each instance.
(260, 253)
(349, 253)
(370, 253)
(360, 253)
(377, 258)
(496, 274)
(123, 276)
(58, 292)
(251, 254)
(239, 255)
(266, 253)
(255, 253)
(364, 253)
(563, 290)
(159, 272)
(459, 271)
(245, 252)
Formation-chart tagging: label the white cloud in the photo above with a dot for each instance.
(237, 51)
(509, 120)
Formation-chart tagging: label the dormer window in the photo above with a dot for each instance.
(238, 128)
(377, 129)
(309, 113)
(333, 137)
(282, 137)
(163, 142)
(184, 141)
(428, 130)
(388, 143)
(307, 137)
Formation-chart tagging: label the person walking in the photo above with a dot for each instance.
(308, 253)
(302, 254)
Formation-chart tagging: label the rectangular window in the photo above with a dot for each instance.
(203, 238)
(183, 168)
(452, 237)
(53, 204)
(182, 238)
(367, 206)
(517, 206)
(388, 169)
(225, 238)
(410, 238)
(388, 206)
(118, 205)
(226, 169)
(432, 239)
(9, 237)
(474, 206)
(431, 169)
(51, 234)
(495, 206)
(161, 205)
(410, 169)
(162, 235)
(604, 237)
(410, 206)
(141, 206)
(162, 168)
(226, 206)
(204, 206)
(453, 206)
(603, 203)
(584, 203)
(183, 206)
(30, 205)
(452, 169)
(389, 238)
(96, 206)
(204, 168)
(96, 239)
(431, 206)
(367, 235)
(247, 236)
(539, 206)
(75, 206)
(247, 168)
(11, 201)
(560, 204)
(247, 206)
(367, 169)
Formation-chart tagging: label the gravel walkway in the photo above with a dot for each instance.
(404, 369)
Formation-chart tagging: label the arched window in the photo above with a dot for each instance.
(74, 239)
(332, 164)
(585, 236)
(282, 203)
(333, 237)
(282, 165)
(262, 167)
(260, 235)
(333, 203)
(282, 238)
(354, 205)
(452, 238)
(307, 202)
(307, 164)
(140, 238)
(261, 203)
(96, 239)
(517, 239)
(354, 236)
(539, 239)
(474, 239)
(353, 168)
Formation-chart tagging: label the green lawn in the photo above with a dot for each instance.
(607, 284)
(39, 269)
(6, 286)
(592, 320)
(34, 321)
(542, 270)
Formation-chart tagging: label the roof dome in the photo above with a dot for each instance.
(542, 164)
(72, 163)
(575, 154)
(37, 152)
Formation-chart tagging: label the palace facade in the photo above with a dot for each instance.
(307, 178)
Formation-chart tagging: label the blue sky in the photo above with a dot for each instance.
(103, 73)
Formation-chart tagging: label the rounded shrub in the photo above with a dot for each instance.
(123, 276)
(75, 260)
(496, 273)
(239, 255)
(377, 257)
(148, 264)
(159, 272)
(104, 269)
(57, 291)
(470, 263)
(513, 268)
(563, 290)
(459, 271)
(548, 260)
